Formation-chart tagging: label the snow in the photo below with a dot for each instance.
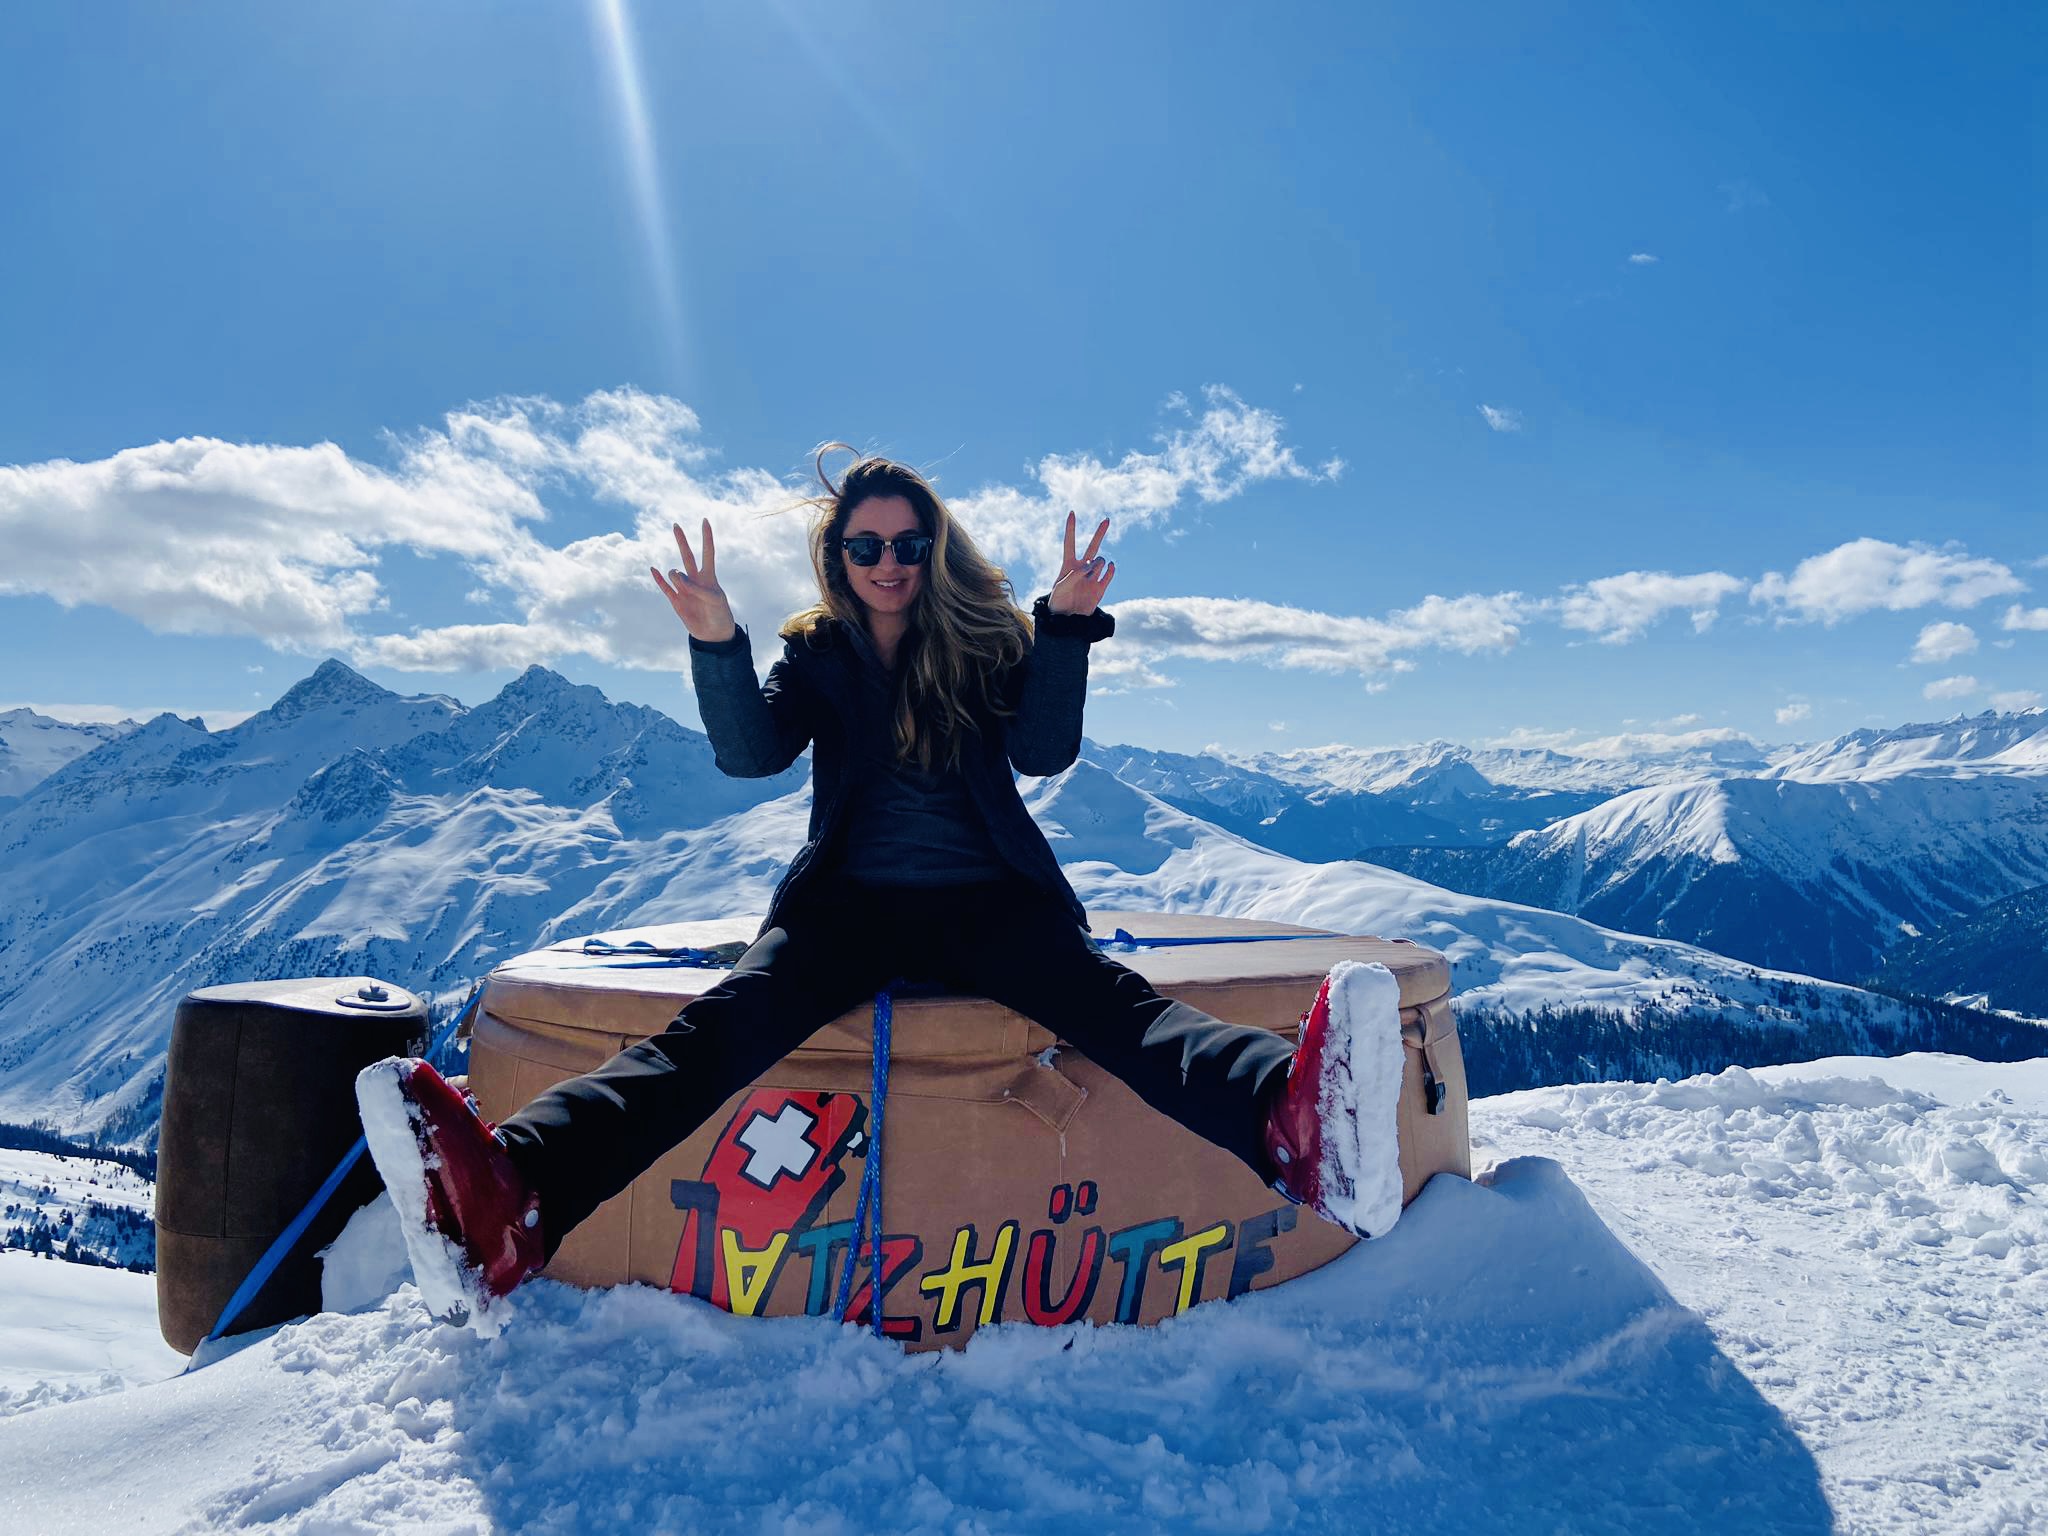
(1359, 1099)
(1868, 1241)
(33, 746)
(367, 1260)
(1123, 849)
(1401, 1376)
(101, 1207)
(1800, 1299)
(391, 1123)
(69, 1331)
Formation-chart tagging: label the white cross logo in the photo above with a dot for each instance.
(779, 1146)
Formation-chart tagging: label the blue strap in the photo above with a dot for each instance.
(1124, 939)
(867, 1210)
(641, 950)
(258, 1277)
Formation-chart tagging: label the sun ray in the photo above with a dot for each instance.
(637, 129)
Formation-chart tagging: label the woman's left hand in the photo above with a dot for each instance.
(1082, 582)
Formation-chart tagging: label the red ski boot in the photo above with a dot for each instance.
(471, 1224)
(1330, 1131)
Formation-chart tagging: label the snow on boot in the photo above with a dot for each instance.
(471, 1224)
(1330, 1132)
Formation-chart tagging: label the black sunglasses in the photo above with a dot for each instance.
(866, 548)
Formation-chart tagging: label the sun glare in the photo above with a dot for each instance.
(637, 129)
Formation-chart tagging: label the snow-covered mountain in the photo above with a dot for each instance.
(1817, 865)
(76, 1207)
(1512, 965)
(1605, 766)
(33, 746)
(344, 829)
(348, 829)
(1333, 807)
(1990, 742)
(1995, 957)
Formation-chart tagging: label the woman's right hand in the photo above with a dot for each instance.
(695, 594)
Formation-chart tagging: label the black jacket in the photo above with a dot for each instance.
(812, 698)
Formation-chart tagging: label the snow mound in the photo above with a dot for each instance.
(1869, 1241)
(1498, 1353)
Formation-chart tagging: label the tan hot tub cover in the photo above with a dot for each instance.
(1022, 1182)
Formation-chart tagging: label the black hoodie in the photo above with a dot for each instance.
(812, 697)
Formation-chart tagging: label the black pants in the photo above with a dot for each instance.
(584, 1140)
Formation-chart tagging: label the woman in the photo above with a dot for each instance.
(918, 686)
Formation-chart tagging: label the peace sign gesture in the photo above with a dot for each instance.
(1082, 582)
(694, 591)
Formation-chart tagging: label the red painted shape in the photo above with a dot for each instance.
(1039, 1307)
(775, 1164)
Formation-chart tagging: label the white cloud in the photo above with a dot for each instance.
(1468, 624)
(1231, 446)
(1943, 641)
(1501, 419)
(1240, 629)
(1642, 259)
(1867, 574)
(1620, 608)
(1278, 725)
(2018, 699)
(1960, 687)
(1796, 711)
(1681, 720)
(283, 543)
(2017, 617)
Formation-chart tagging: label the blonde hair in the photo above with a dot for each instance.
(965, 625)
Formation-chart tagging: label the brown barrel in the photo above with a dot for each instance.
(1022, 1182)
(259, 1108)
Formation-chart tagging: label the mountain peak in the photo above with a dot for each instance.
(537, 689)
(333, 684)
(539, 679)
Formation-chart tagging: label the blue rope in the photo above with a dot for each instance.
(258, 1277)
(867, 1210)
(641, 950)
(1124, 939)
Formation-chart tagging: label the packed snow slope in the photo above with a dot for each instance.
(1806, 1299)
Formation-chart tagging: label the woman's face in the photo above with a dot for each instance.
(887, 587)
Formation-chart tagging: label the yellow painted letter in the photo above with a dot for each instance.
(1187, 1254)
(749, 1274)
(991, 1274)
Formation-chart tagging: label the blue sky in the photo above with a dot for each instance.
(1447, 371)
